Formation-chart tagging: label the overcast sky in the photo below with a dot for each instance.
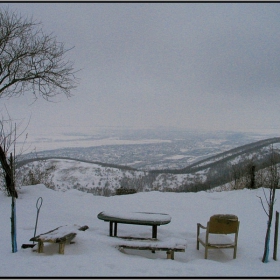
(211, 66)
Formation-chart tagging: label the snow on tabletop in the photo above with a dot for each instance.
(139, 216)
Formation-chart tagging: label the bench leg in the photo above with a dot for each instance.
(40, 247)
(154, 234)
(61, 248)
(170, 255)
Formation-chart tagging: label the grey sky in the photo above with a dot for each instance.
(207, 66)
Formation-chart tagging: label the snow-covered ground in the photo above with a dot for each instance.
(95, 254)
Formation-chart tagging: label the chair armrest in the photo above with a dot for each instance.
(201, 226)
(198, 229)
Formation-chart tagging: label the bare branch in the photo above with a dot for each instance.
(263, 205)
(31, 61)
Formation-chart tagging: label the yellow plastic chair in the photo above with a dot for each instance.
(216, 234)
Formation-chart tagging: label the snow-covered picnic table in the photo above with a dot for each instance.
(135, 243)
(134, 218)
(58, 235)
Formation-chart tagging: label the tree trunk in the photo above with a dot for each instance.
(270, 216)
(10, 185)
(13, 226)
(9, 176)
(266, 245)
(252, 184)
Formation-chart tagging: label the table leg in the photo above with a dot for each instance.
(111, 229)
(115, 229)
(154, 234)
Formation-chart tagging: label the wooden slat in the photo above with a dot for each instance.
(152, 248)
(68, 236)
(169, 250)
(64, 238)
(137, 238)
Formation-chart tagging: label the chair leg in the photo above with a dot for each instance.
(206, 252)
(197, 245)
(234, 252)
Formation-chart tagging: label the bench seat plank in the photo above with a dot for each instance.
(154, 248)
(170, 246)
(169, 250)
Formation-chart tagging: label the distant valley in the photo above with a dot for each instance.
(149, 149)
(180, 161)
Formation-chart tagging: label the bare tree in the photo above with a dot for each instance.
(271, 180)
(7, 139)
(30, 60)
(243, 173)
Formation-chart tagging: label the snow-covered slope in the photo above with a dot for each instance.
(94, 253)
(104, 179)
(100, 180)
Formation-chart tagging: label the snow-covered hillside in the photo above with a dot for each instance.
(94, 253)
(104, 178)
(100, 180)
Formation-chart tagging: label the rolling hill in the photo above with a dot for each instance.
(103, 178)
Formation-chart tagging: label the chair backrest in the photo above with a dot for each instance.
(223, 224)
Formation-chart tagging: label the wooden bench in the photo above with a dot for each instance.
(169, 250)
(59, 235)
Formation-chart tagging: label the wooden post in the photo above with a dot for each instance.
(276, 236)
(13, 212)
(13, 226)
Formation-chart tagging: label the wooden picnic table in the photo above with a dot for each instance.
(134, 218)
(142, 218)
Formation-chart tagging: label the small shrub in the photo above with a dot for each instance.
(40, 172)
(122, 191)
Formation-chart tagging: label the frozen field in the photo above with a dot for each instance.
(95, 254)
